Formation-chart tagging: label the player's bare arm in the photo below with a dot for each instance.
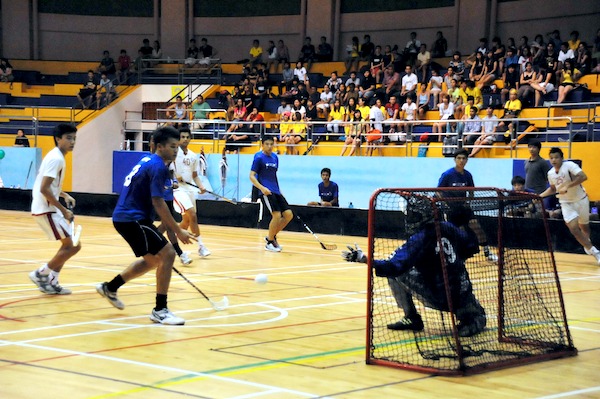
(257, 184)
(160, 206)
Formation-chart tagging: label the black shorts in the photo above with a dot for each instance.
(460, 214)
(142, 236)
(275, 203)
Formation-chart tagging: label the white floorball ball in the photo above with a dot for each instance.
(261, 279)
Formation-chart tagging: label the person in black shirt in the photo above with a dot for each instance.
(21, 140)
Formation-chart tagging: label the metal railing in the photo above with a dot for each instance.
(318, 134)
(205, 71)
(30, 126)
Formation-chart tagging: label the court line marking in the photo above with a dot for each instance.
(571, 393)
(170, 369)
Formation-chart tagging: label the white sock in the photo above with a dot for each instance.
(44, 270)
(53, 276)
(200, 244)
(594, 250)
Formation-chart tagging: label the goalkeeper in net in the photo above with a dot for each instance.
(414, 270)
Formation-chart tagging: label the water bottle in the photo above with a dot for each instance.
(128, 147)
(350, 205)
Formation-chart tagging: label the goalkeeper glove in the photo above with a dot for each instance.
(354, 254)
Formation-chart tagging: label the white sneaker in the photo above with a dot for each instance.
(274, 242)
(185, 258)
(272, 248)
(110, 296)
(203, 251)
(164, 316)
(596, 254)
(492, 257)
(47, 287)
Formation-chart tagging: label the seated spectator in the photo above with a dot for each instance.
(574, 41)
(491, 70)
(21, 140)
(205, 52)
(191, 58)
(107, 64)
(355, 135)
(261, 92)
(440, 46)
(287, 78)
(337, 114)
(301, 73)
(524, 89)
(255, 53)
(146, 49)
(311, 115)
(353, 79)
(351, 93)
(391, 84)
(408, 112)
(367, 49)
(476, 72)
(457, 65)
(423, 99)
(511, 58)
(511, 78)
(454, 92)
(411, 49)
(583, 59)
(157, 52)
(409, 84)
(177, 111)
(472, 127)
(272, 57)
(423, 62)
(392, 115)
(283, 108)
(123, 67)
(512, 109)
(544, 83)
(328, 191)
(367, 85)
(475, 92)
(565, 53)
(244, 133)
(352, 55)
(6, 72)
(446, 109)
(307, 53)
(334, 82)
(524, 58)
(285, 128)
(283, 53)
(325, 100)
(374, 134)
(435, 86)
(364, 108)
(488, 132)
(568, 76)
(525, 208)
(85, 95)
(297, 134)
(325, 51)
(298, 107)
(105, 89)
(376, 64)
(199, 112)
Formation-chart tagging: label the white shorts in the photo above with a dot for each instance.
(183, 200)
(548, 86)
(576, 210)
(54, 225)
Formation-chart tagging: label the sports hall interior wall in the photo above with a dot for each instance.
(351, 222)
(32, 33)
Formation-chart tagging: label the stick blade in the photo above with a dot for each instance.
(220, 305)
(328, 247)
(76, 235)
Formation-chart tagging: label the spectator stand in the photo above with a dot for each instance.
(169, 71)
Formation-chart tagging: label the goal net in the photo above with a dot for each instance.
(462, 282)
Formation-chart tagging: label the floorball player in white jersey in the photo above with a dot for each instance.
(52, 216)
(185, 168)
(565, 180)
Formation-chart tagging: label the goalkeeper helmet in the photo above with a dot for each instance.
(419, 212)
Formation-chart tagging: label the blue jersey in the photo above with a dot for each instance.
(453, 178)
(328, 193)
(147, 179)
(265, 166)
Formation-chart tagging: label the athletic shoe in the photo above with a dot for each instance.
(473, 327)
(164, 316)
(47, 287)
(596, 254)
(185, 258)
(492, 257)
(271, 247)
(414, 323)
(587, 251)
(102, 289)
(203, 251)
(274, 242)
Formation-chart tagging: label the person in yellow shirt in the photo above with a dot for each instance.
(296, 134)
(285, 128)
(569, 75)
(574, 40)
(364, 108)
(474, 91)
(512, 109)
(336, 118)
(255, 53)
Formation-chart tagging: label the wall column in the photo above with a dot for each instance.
(16, 34)
(173, 28)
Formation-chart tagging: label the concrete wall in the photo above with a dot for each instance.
(83, 38)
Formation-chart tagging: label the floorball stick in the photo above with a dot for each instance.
(327, 247)
(75, 230)
(214, 194)
(217, 305)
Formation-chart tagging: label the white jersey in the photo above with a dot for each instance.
(53, 166)
(566, 174)
(185, 165)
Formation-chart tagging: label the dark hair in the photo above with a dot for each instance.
(535, 143)
(185, 129)
(268, 138)
(326, 170)
(556, 150)
(517, 180)
(63, 128)
(163, 134)
(462, 151)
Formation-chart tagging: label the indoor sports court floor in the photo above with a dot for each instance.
(302, 335)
